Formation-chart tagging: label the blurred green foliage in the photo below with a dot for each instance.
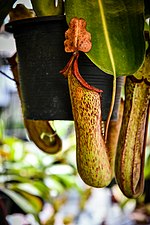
(30, 177)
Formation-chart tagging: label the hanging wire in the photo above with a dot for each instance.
(7, 76)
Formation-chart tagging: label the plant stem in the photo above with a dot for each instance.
(111, 108)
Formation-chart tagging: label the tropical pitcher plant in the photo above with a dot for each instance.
(115, 42)
(115, 35)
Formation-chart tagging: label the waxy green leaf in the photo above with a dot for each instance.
(47, 7)
(28, 203)
(118, 45)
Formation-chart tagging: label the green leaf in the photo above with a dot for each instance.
(12, 178)
(60, 169)
(37, 188)
(116, 27)
(54, 184)
(68, 181)
(28, 203)
(147, 164)
(47, 7)
(15, 147)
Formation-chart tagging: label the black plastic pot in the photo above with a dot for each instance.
(45, 94)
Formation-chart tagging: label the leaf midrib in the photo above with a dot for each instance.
(106, 35)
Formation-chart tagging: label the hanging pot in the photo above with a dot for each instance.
(41, 55)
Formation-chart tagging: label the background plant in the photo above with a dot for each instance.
(31, 178)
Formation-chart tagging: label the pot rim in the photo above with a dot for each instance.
(11, 26)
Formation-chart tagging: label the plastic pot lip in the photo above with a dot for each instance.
(18, 24)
